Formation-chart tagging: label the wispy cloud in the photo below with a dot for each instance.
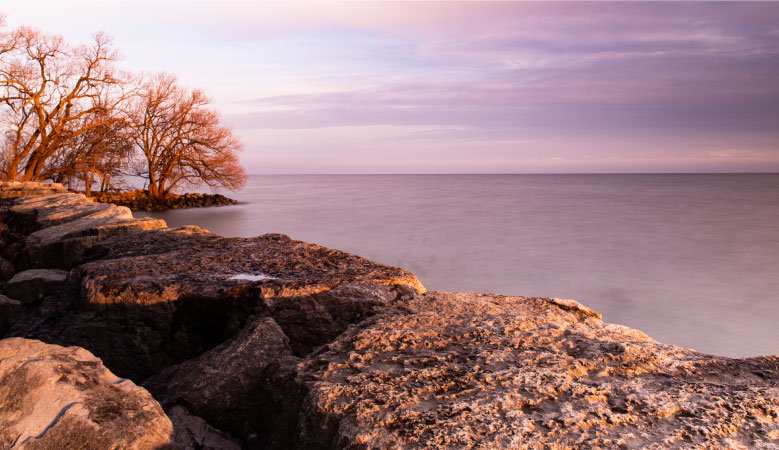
(436, 86)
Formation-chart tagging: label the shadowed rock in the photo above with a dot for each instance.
(144, 312)
(193, 433)
(32, 285)
(53, 397)
(218, 385)
(485, 371)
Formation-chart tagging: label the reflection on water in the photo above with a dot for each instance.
(691, 260)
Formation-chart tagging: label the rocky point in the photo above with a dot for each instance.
(272, 343)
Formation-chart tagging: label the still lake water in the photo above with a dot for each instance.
(691, 260)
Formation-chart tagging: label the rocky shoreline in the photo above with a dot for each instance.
(125, 333)
(139, 200)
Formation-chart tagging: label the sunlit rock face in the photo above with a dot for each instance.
(53, 397)
(460, 370)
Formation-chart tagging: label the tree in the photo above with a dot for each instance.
(181, 139)
(97, 155)
(53, 93)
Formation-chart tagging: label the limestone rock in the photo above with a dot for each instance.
(77, 246)
(483, 371)
(172, 298)
(6, 269)
(9, 309)
(11, 190)
(32, 285)
(53, 397)
(108, 214)
(221, 385)
(193, 433)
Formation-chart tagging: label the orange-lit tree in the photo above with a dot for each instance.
(181, 139)
(51, 93)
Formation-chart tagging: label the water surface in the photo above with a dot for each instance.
(691, 260)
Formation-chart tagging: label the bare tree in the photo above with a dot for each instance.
(181, 139)
(97, 155)
(48, 89)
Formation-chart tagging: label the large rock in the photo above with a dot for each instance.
(484, 371)
(174, 295)
(9, 309)
(12, 190)
(32, 285)
(221, 386)
(193, 433)
(53, 397)
(77, 246)
(105, 215)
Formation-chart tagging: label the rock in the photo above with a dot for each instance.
(216, 385)
(9, 309)
(32, 285)
(193, 433)
(6, 269)
(464, 370)
(172, 298)
(53, 397)
(76, 247)
(11, 190)
(108, 214)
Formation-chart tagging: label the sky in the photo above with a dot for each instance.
(462, 87)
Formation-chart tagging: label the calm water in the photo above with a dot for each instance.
(691, 260)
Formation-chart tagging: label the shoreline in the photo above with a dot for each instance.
(330, 350)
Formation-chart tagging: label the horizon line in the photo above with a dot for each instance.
(515, 173)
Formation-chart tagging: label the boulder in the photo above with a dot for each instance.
(9, 309)
(459, 370)
(193, 433)
(32, 285)
(76, 247)
(12, 190)
(216, 386)
(174, 295)
(53, 397)
(6, 269)
(108, 214)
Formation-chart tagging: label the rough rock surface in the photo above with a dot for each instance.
(171, 296)
(18, 189)
(464, 371)
(32, 285)
(53, 397)
(193, 433)
(216, 385)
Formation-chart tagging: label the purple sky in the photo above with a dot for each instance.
(441, 87)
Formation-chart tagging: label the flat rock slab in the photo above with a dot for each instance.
(106, 214)
(32, 285)
(462, 371)
(50, 217)
(53, 397)
(171, 297)
(38, 203)
(11, 190)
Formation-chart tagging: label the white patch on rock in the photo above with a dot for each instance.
(250, 277)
